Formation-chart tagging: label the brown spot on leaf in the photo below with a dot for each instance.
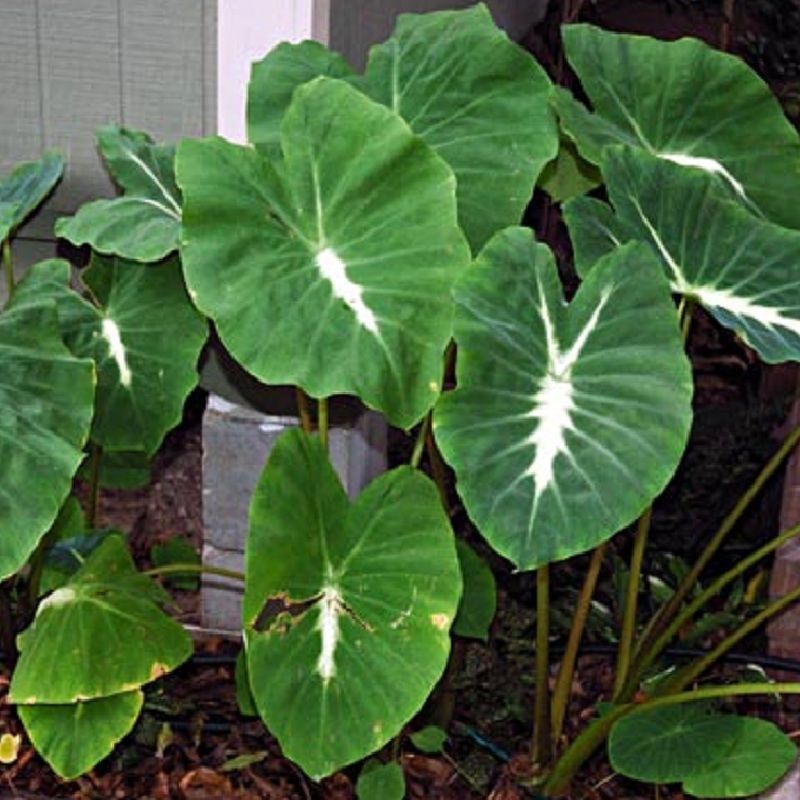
(157, 670)
(440, 621)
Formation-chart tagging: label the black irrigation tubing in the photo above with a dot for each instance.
(767, 662)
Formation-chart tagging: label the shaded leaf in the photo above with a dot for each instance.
(479, 598)
(688, 104)
(568, 174)
(176, 550)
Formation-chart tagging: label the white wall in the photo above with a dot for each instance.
(246, 31)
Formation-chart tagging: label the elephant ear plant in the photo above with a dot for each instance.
(372, 220)
(95, 372)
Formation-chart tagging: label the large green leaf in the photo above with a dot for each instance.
(47, 398)
(688, 104)
(479, 100)
(144, 224)
(28, 184)
(273, 81)
(72, 738)
(567, 420)
(146, 347)
(331, 268)
(104, 630)
(742, 269)
(714, 755)
(347, 609)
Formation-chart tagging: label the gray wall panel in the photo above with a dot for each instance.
(80, 86)
(162, 67)
(20, 106)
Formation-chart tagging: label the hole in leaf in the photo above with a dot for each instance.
(279, 613)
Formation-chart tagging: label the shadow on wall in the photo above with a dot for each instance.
(356, 24)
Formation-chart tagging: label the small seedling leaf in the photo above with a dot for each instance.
(379, 781)
(430, 739)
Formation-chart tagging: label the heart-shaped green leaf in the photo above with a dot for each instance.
(72, 738)
(273, 81)
(144, 224)
(714, 755)
(479, 100)
(567, 420)
(146, 344)
(687, 104)
(347, 609)
(26, 187)
(87, 627)
(332, 268)
(47, 399)
(741, 269)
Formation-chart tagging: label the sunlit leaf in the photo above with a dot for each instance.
(347, 608)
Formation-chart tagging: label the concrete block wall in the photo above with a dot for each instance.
(236, 443)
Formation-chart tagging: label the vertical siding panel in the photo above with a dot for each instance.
(209, 67)
(20, 106)
(162, 67)
(80, 89)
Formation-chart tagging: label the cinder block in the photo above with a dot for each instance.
(236, 443)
